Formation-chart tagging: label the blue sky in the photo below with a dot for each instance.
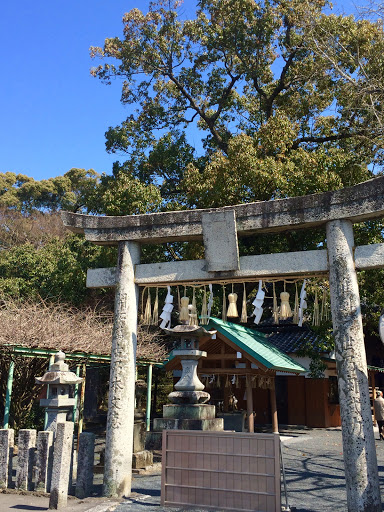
(53, 113)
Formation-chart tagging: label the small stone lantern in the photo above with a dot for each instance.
(59, 379)
(189, 410)
(189, 388)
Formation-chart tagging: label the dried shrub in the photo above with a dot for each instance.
(53, 327)
(56, 326)
(37, 228)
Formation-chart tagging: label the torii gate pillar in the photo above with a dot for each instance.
(363, 489)
(121, 402)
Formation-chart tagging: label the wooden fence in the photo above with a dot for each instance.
(226, 470)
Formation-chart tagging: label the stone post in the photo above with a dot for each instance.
(7, 437)
(26, 445)
(62, 457)
(361, 474)
(121, 403)
(44, 460)
(85, 459)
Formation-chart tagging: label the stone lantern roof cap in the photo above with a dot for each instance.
(65, 377)
(59, 373)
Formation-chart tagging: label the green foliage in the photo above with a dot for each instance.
(25, 391)
(325, 344)
(57, 270)
(259, 169)
(69, 192)
(123, 194)
(250, 68)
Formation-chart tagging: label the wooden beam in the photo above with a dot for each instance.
(218, 357)
(272, 394)
(230, 371)
(250, 413)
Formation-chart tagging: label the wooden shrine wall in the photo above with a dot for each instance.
(226, 470)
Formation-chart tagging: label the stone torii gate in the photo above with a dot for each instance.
(219, 228)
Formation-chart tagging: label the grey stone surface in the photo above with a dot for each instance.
(61, 465)
(142, 459)
(189, 380)
(139, 433)
(7, 442)
(85, 461)
(234, 421)
(259, 266)
(189, 397)
(220, 240)
(188, 424)
(356, 416)
(369, 256)
(154, 440)
(101, 277)
(192, 411)
(44, 461)
(55, 415)
(26, 445)
(120, 419)
(360, 202)
(59, 380)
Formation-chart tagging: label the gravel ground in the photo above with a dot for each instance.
(314, 470)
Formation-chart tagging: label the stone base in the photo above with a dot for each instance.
(189, 397)
(139, 434)
(154, 441)
(233, 421)
(215, 424)
(189, 411)
(141, 460)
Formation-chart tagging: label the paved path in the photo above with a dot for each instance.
(314, 472)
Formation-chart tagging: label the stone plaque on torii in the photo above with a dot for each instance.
(219, 228)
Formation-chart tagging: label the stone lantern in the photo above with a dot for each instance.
(189, 389)
(189, 410)
(59, 380)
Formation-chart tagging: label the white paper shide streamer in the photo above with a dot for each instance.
(167, 310)
(258, 303)
(303, 304)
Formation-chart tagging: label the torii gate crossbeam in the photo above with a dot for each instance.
(219, 228)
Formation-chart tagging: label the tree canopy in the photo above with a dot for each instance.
(282, 92)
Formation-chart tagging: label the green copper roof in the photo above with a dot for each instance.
(256, 345)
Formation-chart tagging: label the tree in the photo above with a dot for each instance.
(53, 271)
(69, 192)
(36, 228)
(354, 51)
(251, 77)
